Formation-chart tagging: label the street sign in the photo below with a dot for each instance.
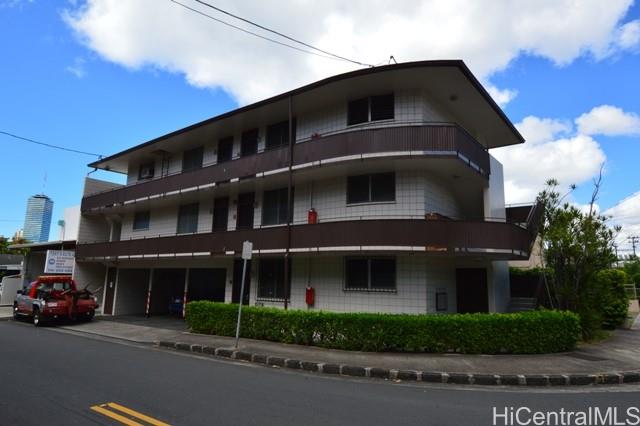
(247, 249)
(59, 262)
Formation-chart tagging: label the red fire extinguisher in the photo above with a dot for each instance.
(312, 216)
(310, 296)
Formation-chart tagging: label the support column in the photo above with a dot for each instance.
(186, 292)
(115, 292)
(149, 289)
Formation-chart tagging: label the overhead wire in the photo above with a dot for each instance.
(49, 145)
(323, 53)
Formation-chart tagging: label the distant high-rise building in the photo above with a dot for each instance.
(37, 221)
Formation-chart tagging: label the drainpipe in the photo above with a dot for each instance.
(289, 207)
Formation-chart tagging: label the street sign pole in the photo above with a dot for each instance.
(247, 248)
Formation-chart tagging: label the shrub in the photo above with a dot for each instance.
(614, 301)
(526, 332)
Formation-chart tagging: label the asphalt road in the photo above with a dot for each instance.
(53, 377)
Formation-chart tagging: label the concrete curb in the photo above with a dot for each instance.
(611, 378)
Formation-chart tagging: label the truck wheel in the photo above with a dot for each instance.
(88, 316)
(37, 318)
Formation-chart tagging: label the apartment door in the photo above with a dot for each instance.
(237, 279)
(244, 218)
(220, 214)
(110, 291)
(471, 290)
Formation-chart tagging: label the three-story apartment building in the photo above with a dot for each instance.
(372, 190)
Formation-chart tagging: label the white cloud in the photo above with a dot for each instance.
(608, 120)
(628, 35)
(536, 130)
(627, 214)
(77, 68)
(501, 96)
(527, 167)
(487, 35)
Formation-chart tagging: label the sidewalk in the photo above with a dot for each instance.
(616, 360)
(6, 312)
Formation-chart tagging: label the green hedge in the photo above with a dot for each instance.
(518, 333)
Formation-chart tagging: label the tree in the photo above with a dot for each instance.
(576, 245)
(5, 243)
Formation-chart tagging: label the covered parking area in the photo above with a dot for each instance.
(163, 291)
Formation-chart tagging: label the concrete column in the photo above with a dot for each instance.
(149, 289)
(115, 292)
(186, 292)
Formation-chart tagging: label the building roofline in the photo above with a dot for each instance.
(45, 244)
(457, 63)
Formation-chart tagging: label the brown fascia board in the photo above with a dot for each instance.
(457, 63)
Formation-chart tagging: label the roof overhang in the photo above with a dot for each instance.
(47, 245)
(447, 83)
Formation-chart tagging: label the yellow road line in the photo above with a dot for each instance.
(115, 416)
(136, 414)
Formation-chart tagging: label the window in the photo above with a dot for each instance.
(370, 274)
(271, 279)
(382, 107)
(358, 111)
(249, 142)
(379, 187)
(373, 108)
(188, 218)
(441, 302)
(192, 159)
(220, 214)
(245, 210)
(278, 134)
(146, 170)
(141, 220)
(225, 149)
(274, 206)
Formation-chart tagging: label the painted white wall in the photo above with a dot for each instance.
(418, 279)
(494, 206)
(71, 217)
(411, 106)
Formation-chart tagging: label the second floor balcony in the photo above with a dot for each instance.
(399, 141)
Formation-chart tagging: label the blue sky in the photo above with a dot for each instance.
(64, 82)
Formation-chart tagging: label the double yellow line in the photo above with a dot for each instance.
(126, 415)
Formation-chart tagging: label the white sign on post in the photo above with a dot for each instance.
(247, 249)
(59, 262)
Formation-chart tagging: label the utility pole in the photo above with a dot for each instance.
(634, 239)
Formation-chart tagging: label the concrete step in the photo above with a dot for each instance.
(522, 304)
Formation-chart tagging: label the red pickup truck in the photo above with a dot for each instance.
(52, 297)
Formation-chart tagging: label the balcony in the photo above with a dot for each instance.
(403, 141)
(489, 239)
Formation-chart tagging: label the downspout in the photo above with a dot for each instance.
(289, 207)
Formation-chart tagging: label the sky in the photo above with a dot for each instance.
(103, 75)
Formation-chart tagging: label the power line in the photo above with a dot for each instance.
(327, 54)
(250, 32)
(50, 145)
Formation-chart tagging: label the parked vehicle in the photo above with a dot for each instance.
(54, 297)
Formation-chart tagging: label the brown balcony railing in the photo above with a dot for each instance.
(435, 140)
(484, 238)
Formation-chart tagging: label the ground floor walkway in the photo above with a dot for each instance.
(619, 353)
